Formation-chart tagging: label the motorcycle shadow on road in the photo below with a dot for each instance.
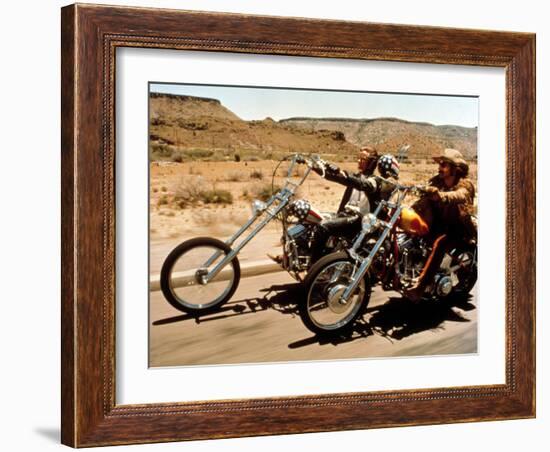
(395, 319)
(399, 318)
(279, 297)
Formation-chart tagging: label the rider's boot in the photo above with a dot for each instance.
(416, 292)
(278, 259)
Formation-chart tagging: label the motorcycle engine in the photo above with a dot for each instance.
(297, 247)
(412, 255)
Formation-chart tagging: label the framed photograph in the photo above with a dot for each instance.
(277, 225)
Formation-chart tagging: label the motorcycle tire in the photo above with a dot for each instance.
(465, 287)
(467, 281)
(180, 286)
(320, 310)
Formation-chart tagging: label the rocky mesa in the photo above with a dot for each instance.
(190, 128)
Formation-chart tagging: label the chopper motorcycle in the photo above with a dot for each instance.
(203, 273)
(391, 249)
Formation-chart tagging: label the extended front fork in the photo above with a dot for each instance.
(366, 263)
(273, 207)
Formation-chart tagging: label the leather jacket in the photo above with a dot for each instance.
(374, 187)
(452, 212)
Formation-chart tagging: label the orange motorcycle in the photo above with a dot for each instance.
(391, 250)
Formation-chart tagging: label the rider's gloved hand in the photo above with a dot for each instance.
(433, 193)
(332, 168)
(300, 159)
(317, 169)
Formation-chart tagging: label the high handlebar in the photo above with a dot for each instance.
(313, 161)
(307, 159)
(420, 189)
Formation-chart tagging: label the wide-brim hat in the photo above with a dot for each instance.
(452, 156)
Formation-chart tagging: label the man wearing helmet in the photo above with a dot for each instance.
(363, 193)
(447, 207)
(364, 190)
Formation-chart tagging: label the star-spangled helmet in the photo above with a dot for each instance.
(388, 166)
(300, 208)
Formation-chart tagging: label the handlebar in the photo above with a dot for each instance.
(313, 161)
(421, 189)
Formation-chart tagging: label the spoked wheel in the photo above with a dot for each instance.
(182, 276)
(323, 312)
(466, 274)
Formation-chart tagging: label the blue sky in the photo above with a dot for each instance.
(258, 103)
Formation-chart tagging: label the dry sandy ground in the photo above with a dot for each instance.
(169, 221)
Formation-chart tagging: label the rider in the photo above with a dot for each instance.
(363, 189)
(363, 193)
(447, 207)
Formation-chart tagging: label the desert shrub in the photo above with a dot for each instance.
(177, 157)
(192, 192)
(188, 192)
(264, 192)
(235, 176)
(157, 121)
(163, 200)
(192, 125)
(199, 153)
(216, 196)
(257, 174)
(161, 151)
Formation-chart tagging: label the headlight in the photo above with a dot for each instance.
(258, 206)
(370, 222)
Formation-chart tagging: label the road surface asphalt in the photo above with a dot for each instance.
(261, 324)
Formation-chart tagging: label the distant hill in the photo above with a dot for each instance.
(388, 134)
(198, 127)
(171, 108)
(183, 127)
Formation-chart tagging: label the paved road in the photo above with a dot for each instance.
(267, 241)
(260, 324)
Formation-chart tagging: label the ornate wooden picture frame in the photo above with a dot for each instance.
(90, 38)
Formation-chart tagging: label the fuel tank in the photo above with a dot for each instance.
(303, 210)
(313, 216)
(412, 223)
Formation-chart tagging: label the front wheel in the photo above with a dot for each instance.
(182, 276)
(323, 311)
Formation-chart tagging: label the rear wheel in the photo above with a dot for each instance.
(467, 271)
(182, 276)
(323, 311)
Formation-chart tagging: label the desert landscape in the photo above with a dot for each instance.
(207, 165)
